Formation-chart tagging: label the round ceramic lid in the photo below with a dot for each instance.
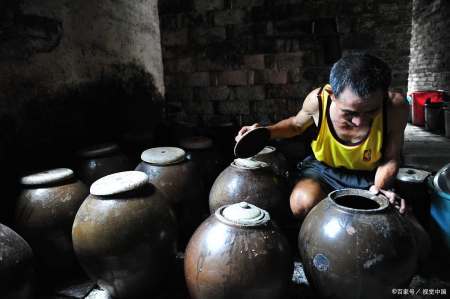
(196, 142)
(119, 182)
(99, 150)
(47, 177)
(249, 163)
(266, 150)
(163, 155)
(244, 213)
(412, 175)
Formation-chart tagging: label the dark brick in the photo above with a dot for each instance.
(254, 62)
(232, 78)
(202, 5)
(233, 107)
(220, 93)
(271, 77)
(250, 93)
(200, 79)
(229, 17)
(205, 36)
(174, 38)
(246, 3)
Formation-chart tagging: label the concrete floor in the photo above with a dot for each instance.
(425, 150)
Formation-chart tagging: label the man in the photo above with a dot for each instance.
(360, 133)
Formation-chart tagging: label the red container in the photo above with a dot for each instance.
(418, 104)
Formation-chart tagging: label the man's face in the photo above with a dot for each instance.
(355, 112)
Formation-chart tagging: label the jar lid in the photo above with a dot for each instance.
(412, 175)
(245, 214)
(249, 163)
(48, 177)
(163, 155)
(99, 150)
(196, 142)
(266, 150)
(119, 182)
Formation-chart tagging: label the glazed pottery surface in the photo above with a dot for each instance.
(124, 235)
(180, 181)
(44, 215)
(238, 253)
(353, 244)
(251, 181)
(16, 266)
(100, 160)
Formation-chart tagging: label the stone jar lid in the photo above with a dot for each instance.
(244, 214)
(163, 155)
(266, 151)
(196, 143)
(249, 164)
(119, 182)
(99, 150)
(50, 176)
(412, 175)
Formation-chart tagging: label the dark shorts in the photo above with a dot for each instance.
(334, 178)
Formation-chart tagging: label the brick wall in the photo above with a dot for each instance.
(429, 66)
(256, 60)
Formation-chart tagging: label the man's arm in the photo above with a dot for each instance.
(397, 116)
(295, 125)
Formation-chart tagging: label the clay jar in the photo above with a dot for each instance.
(209, 162)
(124, 235)
(178, 178)
(16, 266)
(44, 215)
(275, 159)
(251, 181)
(354, 245)
(100, 160)
(238, 253)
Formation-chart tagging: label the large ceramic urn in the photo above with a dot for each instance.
(178, 178)
(44, 215)
(124, 235)
(353, 244)
(16, 266)
(100, 160)
(251, 181)
(201, 151)
(275, 159)
(238, 253)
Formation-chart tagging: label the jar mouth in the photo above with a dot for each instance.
(249, 163)
(358, 200)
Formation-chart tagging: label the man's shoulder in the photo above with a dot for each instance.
(397, 110)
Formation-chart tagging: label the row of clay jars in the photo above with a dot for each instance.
(124, 235)
(44, 215)
(17, 274)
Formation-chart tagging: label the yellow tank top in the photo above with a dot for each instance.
(331, 150)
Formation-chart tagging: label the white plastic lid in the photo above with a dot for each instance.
(119, 182)
(244, 213)
(196, 142)
(47, 177)
(249, 163)
(163, 155)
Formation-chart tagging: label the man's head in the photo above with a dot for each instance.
(359, 84)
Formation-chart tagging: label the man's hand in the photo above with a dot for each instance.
(397, 201)
(244, 130)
